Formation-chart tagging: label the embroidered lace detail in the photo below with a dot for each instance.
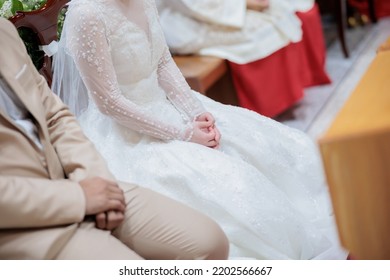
(97, 41)
(177, 89)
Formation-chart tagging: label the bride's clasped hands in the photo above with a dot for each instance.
(205, 131)
(257, 5)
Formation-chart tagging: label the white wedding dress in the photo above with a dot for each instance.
(264, 185)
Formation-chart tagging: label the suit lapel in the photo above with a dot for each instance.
(33, 106)
(7, 118)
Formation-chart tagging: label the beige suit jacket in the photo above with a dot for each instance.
(41, 202)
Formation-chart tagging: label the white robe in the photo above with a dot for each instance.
(225, 28)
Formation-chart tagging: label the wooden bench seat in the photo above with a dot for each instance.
(356, 156)
(201, 72)
(209, 76)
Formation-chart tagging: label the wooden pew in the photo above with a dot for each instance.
(209, 76)
(356, 156)
(201, 72)
(43, 22)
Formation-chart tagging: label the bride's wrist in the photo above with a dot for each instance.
(188, 132)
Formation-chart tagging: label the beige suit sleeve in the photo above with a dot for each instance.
(33, 202)
(77, 154)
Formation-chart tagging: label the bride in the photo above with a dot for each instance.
(260, 180)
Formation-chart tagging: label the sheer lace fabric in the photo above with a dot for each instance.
(91, 33)
(264, 185)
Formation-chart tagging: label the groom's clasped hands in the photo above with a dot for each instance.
(205, 131)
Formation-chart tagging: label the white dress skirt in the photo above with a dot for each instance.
(264, 185)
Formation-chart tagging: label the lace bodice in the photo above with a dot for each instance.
(120, 52)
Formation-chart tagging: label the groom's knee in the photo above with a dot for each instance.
(216, 244)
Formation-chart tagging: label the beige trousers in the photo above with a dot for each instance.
(155, 227)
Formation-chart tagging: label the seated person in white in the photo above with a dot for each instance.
(241, 31)
(261, 181)
(300, 5)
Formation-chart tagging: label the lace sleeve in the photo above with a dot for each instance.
(177, 89)
(88, 44)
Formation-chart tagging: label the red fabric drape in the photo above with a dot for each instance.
(382, 7)
(273, 84)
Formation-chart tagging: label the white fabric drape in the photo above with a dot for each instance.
(227, 29)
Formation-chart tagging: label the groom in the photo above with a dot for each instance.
(58, 200)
